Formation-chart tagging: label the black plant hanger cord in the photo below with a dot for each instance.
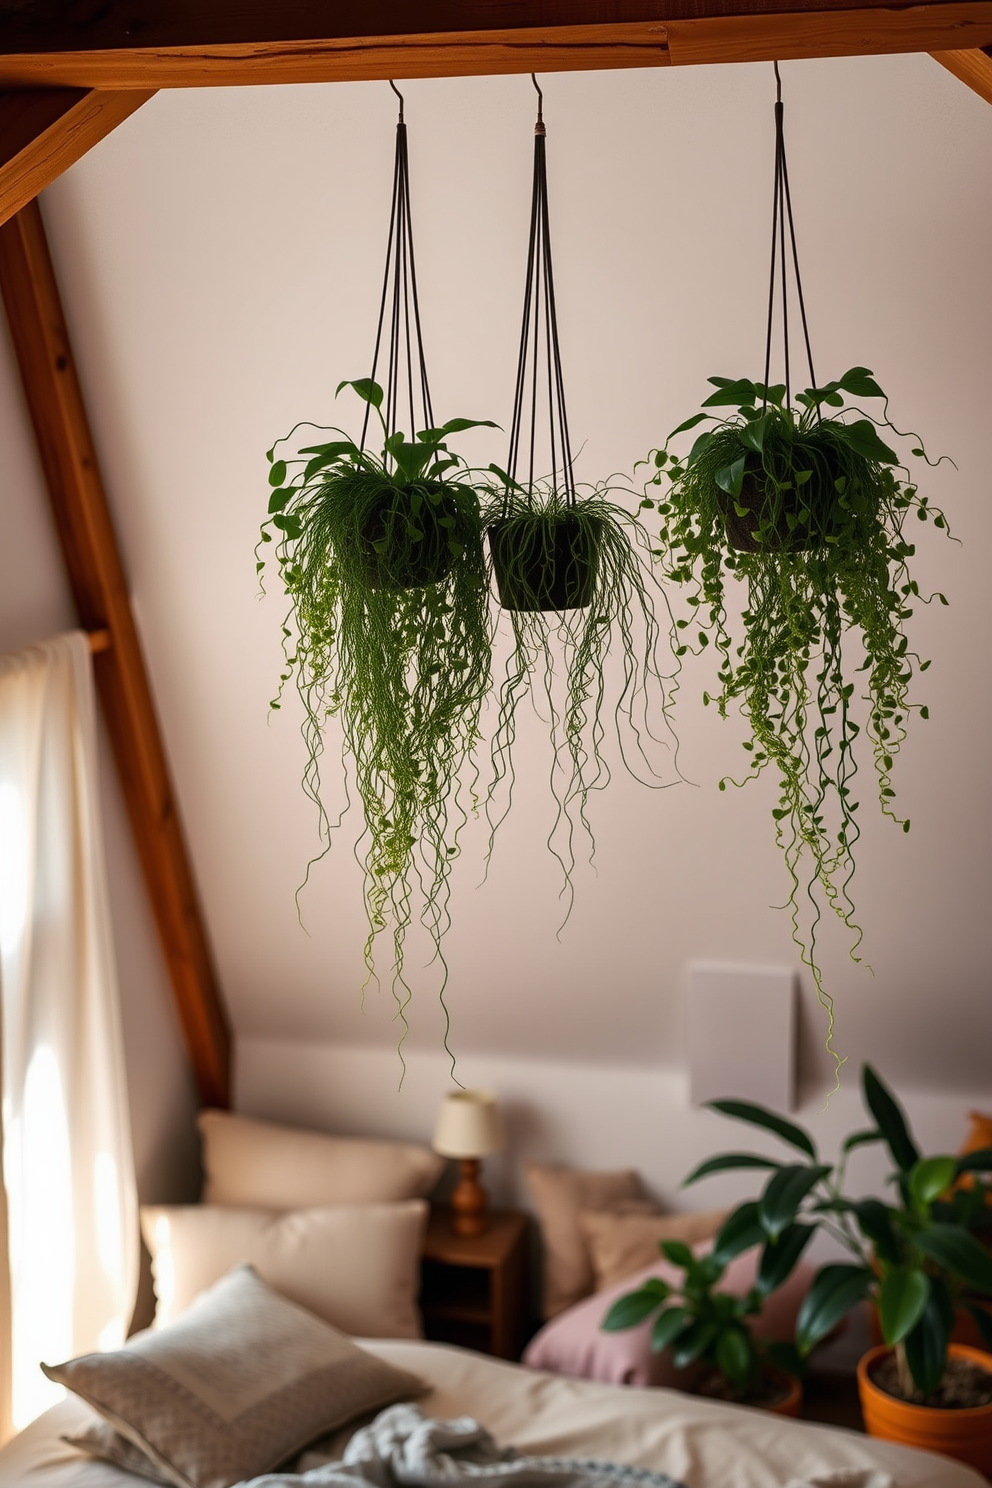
(540, 354)
(406, 373)
(781, 216)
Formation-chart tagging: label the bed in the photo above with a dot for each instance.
(701, 1444)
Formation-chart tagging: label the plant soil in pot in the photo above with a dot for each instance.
(945, 1422)
(544, 561)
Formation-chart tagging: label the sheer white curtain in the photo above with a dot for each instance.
(67, 1164)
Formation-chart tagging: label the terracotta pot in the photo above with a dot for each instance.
(965, 1435)
(793, 1403)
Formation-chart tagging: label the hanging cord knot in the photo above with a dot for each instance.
(399, 95)
(539, 126)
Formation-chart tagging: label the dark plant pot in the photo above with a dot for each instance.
(548, 564)
(818, 496)
(400, 564)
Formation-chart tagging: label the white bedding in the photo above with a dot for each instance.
(702, 1444)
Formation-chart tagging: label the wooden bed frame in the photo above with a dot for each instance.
(71, 72)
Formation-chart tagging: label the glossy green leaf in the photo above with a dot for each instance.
(731, 477)
(930, 1177)
(890, 1120)
(277, 473)
(983, 1321)
(784, 1192)
(730, 394)
(667, 1326)
(690, 423)
(367, 390)
(862, 437)
(630, 1310)
(678, 1253)
(860, 383)
(926, 1345)
(957, 1252)
(741, 1230)
(903, 1295)
(861, 1139)
(976, 1162)
(875, 1222)
(779, 1257)
(735, 1356)
(693, 1342)
(835, 1290)
(757, 1115)
(728, 1161)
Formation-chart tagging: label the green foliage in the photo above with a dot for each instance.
(917, 1257)
(388, 630)
(582, 585)
(806, 506)
(695, 1321)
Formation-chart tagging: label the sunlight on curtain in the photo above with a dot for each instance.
(67, 1164)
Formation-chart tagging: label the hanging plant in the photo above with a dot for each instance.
(388, 630)
(804, 502)
(573, 574)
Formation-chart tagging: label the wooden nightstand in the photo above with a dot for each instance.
(474, 1291)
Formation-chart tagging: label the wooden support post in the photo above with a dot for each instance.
(973, 67)
(45, 130)
(82, 517)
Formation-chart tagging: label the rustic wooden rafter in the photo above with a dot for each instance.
(972, 67)
(205, 43)
(45, 130)
(92, 558)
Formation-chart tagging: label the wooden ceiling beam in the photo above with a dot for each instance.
(93, 561)
(45, 130)
(973, 67)
(148, 43)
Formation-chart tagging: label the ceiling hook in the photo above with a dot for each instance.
(778, 83)
(539, 127)
(399, 95)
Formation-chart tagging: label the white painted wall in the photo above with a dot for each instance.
(35, 602)
(220, 256)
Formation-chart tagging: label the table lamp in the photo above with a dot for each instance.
(468, 1127)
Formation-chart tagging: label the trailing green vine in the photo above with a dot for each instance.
(388, 631)
(574, 574)
(808, 512)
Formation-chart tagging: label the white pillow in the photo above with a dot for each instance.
(357, 1266)
(259, 1164)
(242, 1382)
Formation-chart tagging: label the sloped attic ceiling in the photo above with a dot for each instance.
(220, 257)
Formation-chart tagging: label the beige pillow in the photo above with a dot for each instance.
(620, 1244)
(260, 1165)
(241, 1382)
(559, 1196)
(101, 1440)
(357, 1266)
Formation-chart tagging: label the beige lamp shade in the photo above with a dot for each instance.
(468, 1125)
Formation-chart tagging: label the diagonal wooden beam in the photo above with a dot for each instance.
(45, 130)
(205, 43)
(973, 67)
(82, 517)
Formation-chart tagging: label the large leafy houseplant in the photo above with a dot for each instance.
(918, 1255)
(572, 571)
(381, 558)
(712, 1329)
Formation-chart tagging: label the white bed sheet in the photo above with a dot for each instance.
(702, 1444)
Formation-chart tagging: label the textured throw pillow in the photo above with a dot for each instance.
(574, 1343)
(101, 1440)
(560, 1195)
(243, 1381)
(357, 1266)
(261, 1165)
(620, 1244)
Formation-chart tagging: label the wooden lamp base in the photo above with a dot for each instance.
(469, 1202)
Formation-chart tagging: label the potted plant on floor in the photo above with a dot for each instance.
(573, 573)
(917, 1256)
(801, 503)
(710, 1331)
